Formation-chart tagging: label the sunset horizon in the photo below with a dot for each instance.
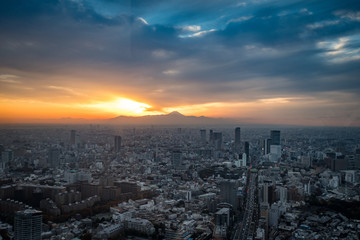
(149, 120)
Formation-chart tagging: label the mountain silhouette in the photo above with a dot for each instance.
(173, 118)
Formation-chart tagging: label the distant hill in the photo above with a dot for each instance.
(173, 118)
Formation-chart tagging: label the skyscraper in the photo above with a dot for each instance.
(72, 137)
(203, 135)
(218, 140)
(267, 143)
(53, 157)
(27, 225)
(275, 147)
(244, 160)
(228, 192)
(247, 149)
(176, 159)
(275, 137)
(211, 136)
(6, 158)
(117, 141)
(282, 193)
(265, 193)
(237, 144)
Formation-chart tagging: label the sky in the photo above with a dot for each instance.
(256, 61)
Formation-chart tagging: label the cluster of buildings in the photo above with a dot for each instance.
(176, 183)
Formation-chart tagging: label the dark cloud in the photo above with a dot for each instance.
(257, 49)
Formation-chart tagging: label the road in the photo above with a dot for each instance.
(245, 228)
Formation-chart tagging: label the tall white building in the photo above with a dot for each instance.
(244, 159)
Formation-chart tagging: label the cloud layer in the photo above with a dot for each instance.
(178, 54)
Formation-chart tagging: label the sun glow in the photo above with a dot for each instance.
(132, 107)
(122, 106)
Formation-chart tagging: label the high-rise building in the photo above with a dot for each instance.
(117, 142)
(72, 137)
(211, 136)
(218, 140)
(265, 193)
(156, 153)
(7, 157)
(275, 137)
(176, 158)
(228, 192)
(77, 140)
(1, 148)
(274, 214)
(267, 144)
(53, 157)
(247, 149)
(282, 194)
(203, 135)
(222, 222)
(222, 217)
(27, 225)
(275, 153)
(244, 160)
(353, 161)
(237, 144)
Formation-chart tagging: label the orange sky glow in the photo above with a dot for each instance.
(52, 107)
(34, 98)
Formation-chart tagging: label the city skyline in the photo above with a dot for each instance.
(114, 182)
(261, 61)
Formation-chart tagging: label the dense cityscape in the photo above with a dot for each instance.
(179, 182)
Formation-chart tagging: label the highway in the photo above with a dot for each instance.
(245, 229)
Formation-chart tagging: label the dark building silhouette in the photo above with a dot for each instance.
(6, 157)
(228, 192)
(275, 137)
(247, 149)
(218, 139)
(237, 143)
(176, 159)
(117, 141)
(271, 194)
(72, 137)
(53, 157)
(203, 135)
(337, 164)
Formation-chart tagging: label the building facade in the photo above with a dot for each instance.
(27, 225)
